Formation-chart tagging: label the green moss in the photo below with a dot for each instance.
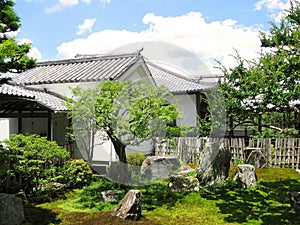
(268, 203)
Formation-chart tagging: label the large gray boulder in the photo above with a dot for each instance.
(180, 183)
(11, 210)
(245, 176)
(214, 164)
(130, 208)
(159, 167)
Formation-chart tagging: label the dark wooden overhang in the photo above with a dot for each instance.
(28, 106)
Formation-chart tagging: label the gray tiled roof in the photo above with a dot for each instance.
(96, 68)
(84, 69)
(48, 100)
(175, 82)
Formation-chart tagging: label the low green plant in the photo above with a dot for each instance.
(135, 159)
(239, 161)
(76, 173)
(89, 197)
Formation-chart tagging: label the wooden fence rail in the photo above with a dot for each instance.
(280, 152)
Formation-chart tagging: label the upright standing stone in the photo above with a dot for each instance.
(11, 210)
(130, 208)
(245, 176)
(214, 164)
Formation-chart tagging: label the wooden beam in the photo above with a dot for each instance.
(24, 115)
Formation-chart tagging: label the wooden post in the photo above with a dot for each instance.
(49, 134)
(20, 122)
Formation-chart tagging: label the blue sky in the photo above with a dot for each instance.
(210, 28)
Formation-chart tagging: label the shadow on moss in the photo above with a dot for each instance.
(36, 215)
(268, 203)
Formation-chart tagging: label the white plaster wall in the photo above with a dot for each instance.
(8, 126)
(138, 73)
(99, 149)
(4, 129)
(145, 148)
(187, 107)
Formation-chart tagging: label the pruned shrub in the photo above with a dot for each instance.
(30, 162)
(135, 159)
(76, 173)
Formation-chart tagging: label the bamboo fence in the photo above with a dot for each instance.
(264, 152)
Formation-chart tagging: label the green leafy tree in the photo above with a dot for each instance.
(213, 123)
(126, 113)
(13, 56)
(270, 85)
(29, 162)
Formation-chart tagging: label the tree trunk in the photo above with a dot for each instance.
(259, 124)
(230, 128)
(123, 176)
(120, 150)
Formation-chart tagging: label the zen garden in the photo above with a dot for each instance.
(212, 178)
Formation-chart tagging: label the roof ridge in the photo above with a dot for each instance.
(177, 74)
(148, 61)
(89, 57)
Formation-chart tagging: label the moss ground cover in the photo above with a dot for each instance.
(266, 204)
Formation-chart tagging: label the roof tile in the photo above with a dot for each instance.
(175, 82)
(78, 69)
(48, 100)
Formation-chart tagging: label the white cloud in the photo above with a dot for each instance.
(86, 1)
(24, 41)
(33, 52)
(269, 4)
(63, 4)
(214, 40)
(53, 9)
(68, 2)
(105, 1)
(276, 8)
(86, 26)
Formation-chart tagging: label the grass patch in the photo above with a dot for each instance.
(268, 203)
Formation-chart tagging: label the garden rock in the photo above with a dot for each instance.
(130, 208)
(180, 183)
(185, 169)
(245, 176)
(159, 167)
(295, 201)
(109, 196)
(11, 210)
(255, 157)
(214, 164)
(55, 185)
